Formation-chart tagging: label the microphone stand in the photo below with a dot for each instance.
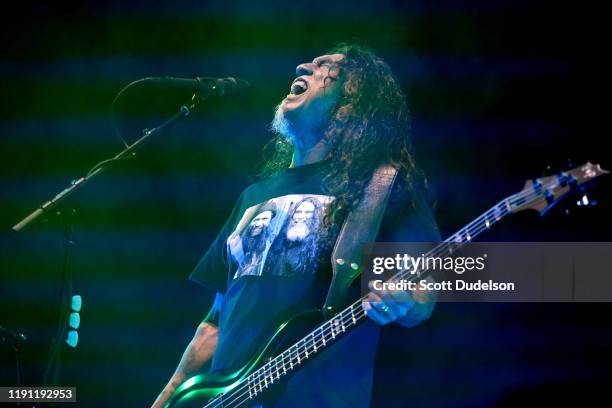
(49, 208)
(128, 153)
(14, 340)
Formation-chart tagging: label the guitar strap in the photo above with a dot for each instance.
(360, 226)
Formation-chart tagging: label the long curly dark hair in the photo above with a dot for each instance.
(369, 125)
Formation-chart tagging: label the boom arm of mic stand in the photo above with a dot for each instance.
(126, 153)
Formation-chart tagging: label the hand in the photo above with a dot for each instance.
(407, 308)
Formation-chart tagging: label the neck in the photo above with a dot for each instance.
(308, 148)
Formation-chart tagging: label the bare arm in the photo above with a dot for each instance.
(198, 352)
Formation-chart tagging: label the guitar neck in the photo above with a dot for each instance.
(349, 318)
(539, 194)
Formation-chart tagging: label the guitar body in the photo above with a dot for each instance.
(200, 389)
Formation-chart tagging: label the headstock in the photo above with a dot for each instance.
(542, 193)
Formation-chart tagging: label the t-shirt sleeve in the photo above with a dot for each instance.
(213, 268)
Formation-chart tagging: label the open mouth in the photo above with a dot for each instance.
(299, 86)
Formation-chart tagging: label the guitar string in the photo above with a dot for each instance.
(259, 383)
(353, 319)
(326, 333)
(499, 210)
(261, 376)
(272, 366)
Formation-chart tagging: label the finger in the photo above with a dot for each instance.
(404, 302)
(374, 314)
(379, 309)
(374, 298)
(392, 295)
(399, 302)
(391, 311)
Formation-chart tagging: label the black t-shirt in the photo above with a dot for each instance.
(270, 262)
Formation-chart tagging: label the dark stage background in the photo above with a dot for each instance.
(498, 90)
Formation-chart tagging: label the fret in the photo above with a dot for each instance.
(299, 360)
(507, 204)
(347, 318)
(468, 237)
(260, 382)
(497, 213)
(453, 246)
(265, 377)
(275, 370)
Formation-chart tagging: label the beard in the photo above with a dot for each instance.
(254, 243)
(298, 232)
(280, 124)
(254, 231)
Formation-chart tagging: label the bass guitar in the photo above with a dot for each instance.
(274, 361)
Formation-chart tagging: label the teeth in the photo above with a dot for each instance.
(298, 87)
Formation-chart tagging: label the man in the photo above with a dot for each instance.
(344, 117)
(248, 247)
(295, 249)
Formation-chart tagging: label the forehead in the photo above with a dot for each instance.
(306, 206)
(264, 214)
(328, 58)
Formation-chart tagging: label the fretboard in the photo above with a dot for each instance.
(333, 329)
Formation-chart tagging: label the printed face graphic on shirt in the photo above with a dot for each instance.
(302, 221)
(259, 223)
(279, 237)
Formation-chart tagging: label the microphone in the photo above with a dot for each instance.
(205, 86)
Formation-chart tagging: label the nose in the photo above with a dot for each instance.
(305, 69)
